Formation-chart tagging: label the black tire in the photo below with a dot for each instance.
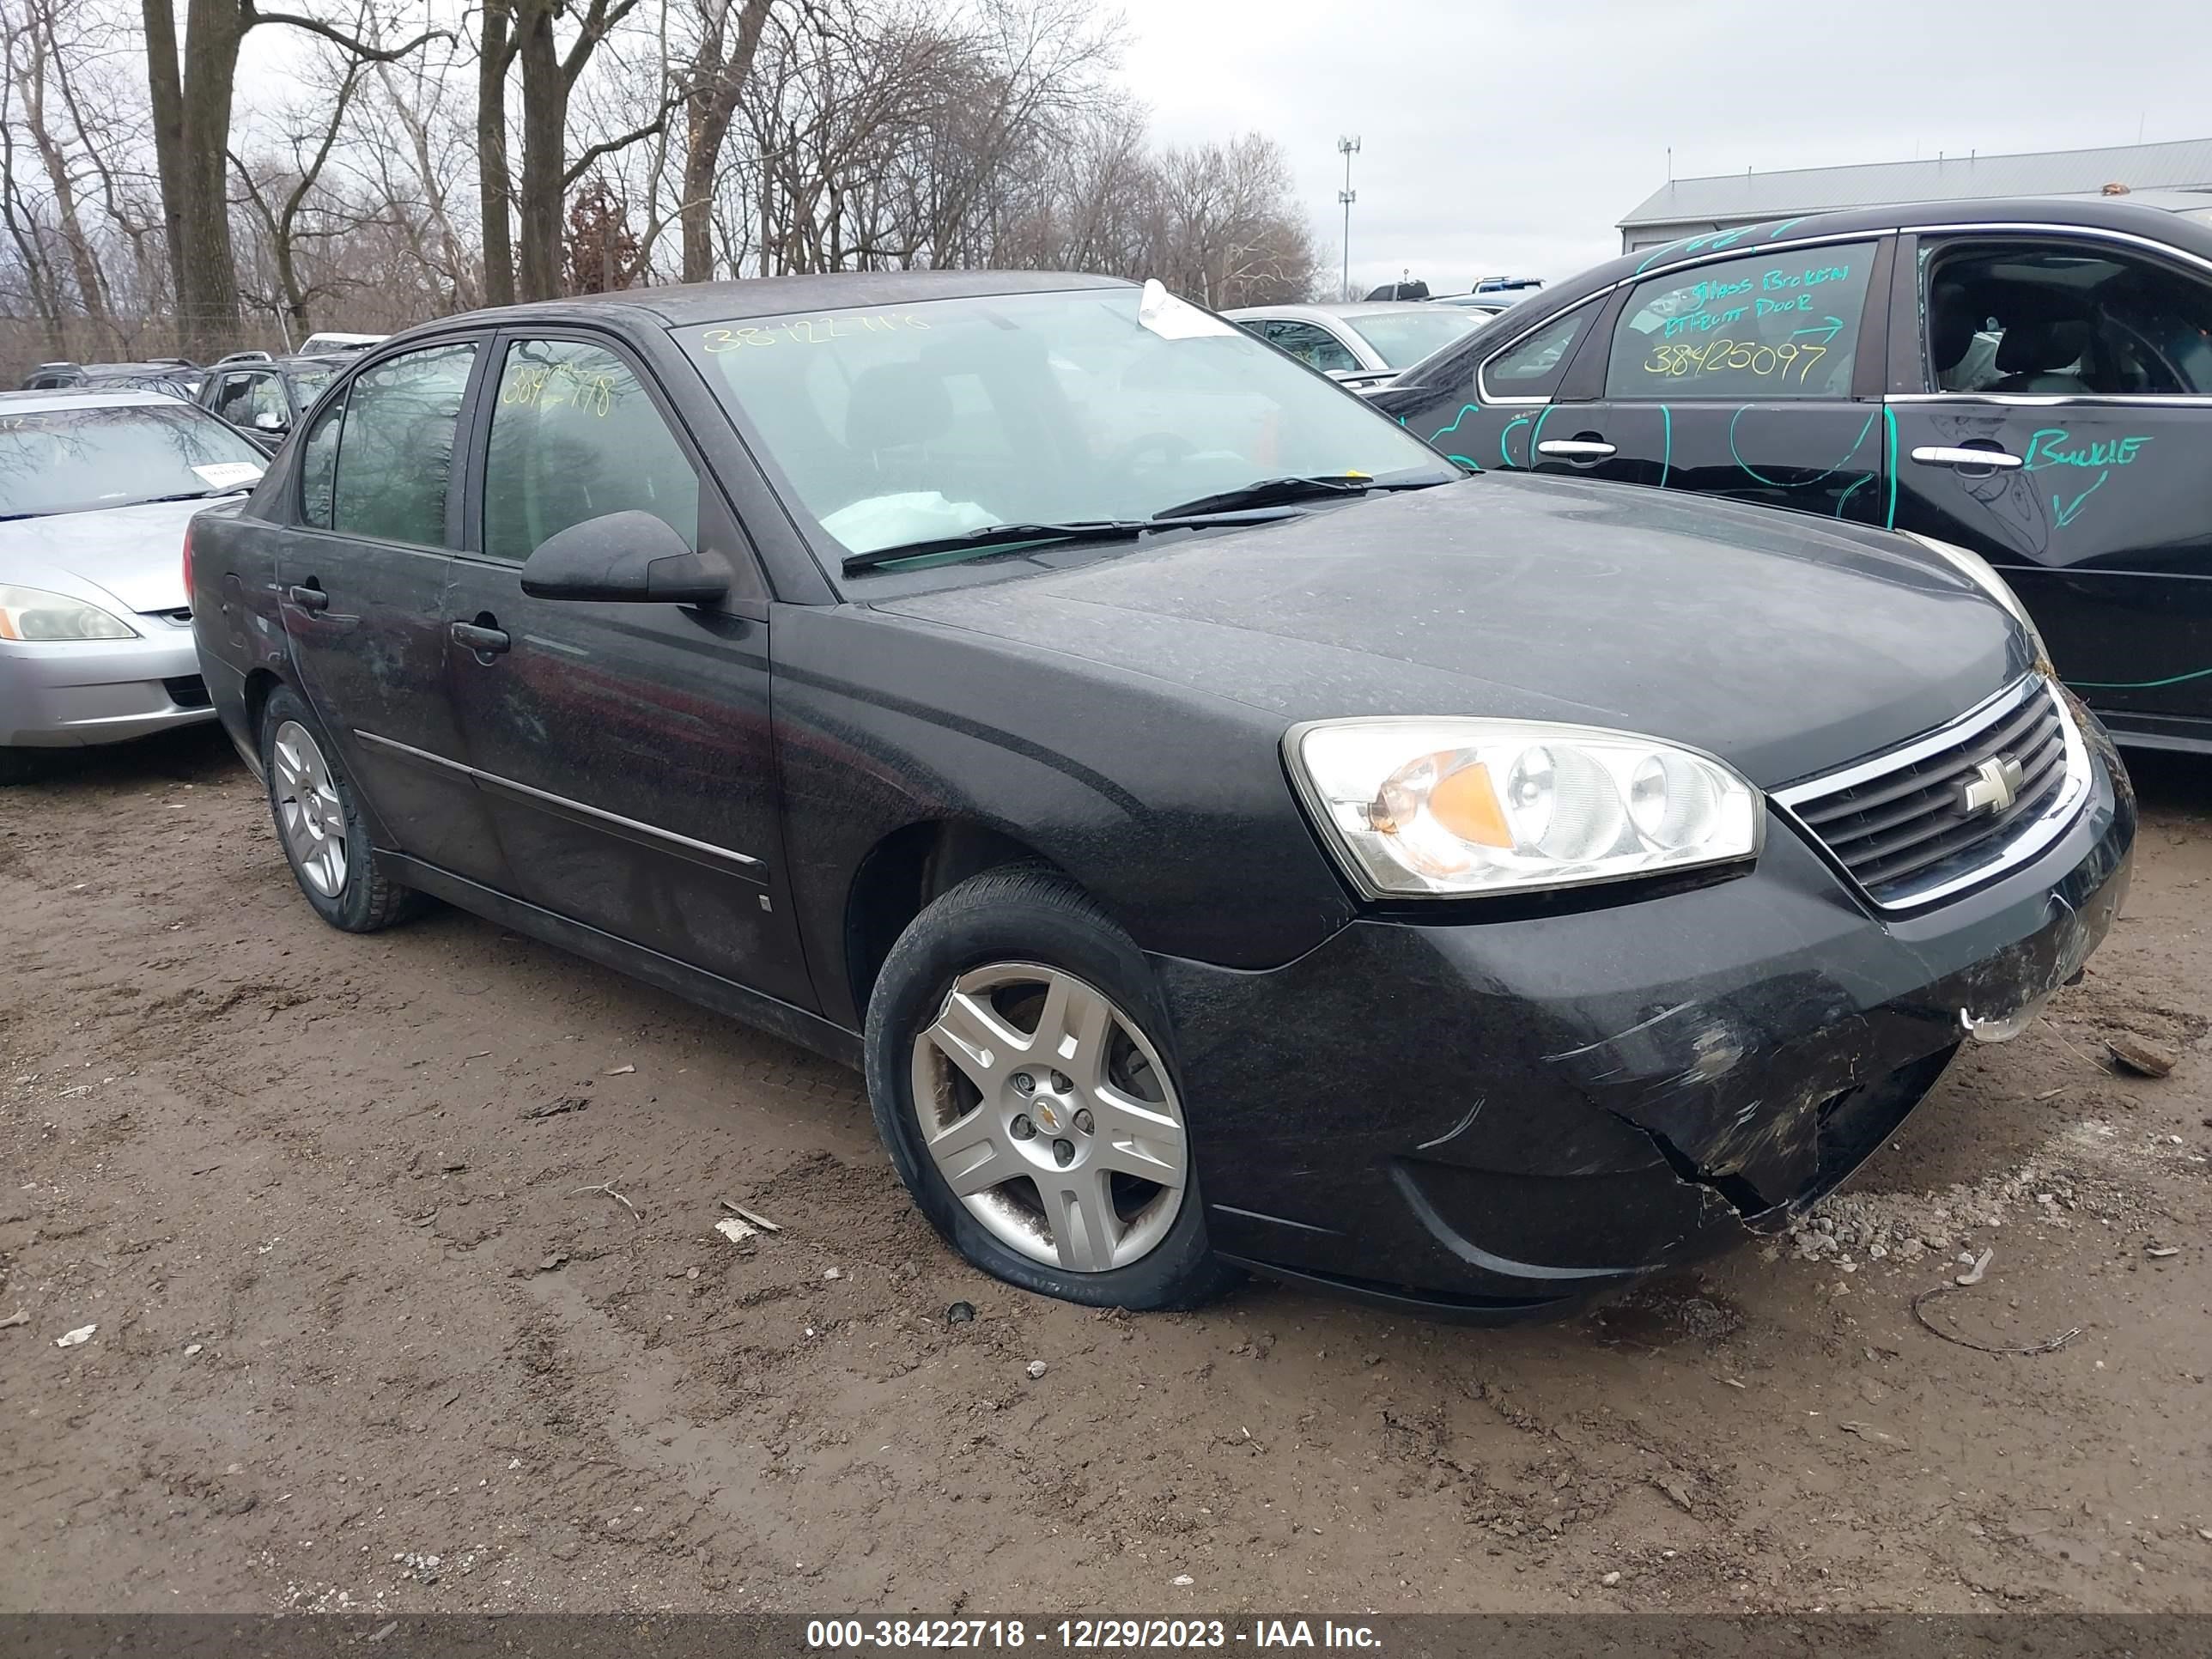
(369, 899)
(1025, 914)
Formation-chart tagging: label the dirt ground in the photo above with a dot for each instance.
(371, 1335)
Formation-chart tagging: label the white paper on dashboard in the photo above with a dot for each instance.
(911, 516)
(228, 475)
(1176, 320)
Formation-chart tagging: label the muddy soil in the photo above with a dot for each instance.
(374, 1328)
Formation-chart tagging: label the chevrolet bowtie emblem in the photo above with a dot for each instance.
(1994, 787)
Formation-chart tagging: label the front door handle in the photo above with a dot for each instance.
(1576, 449)
(308, 598)
(484, 642)
(1947, 455)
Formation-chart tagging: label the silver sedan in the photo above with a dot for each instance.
(95, 635)
(1364, 343)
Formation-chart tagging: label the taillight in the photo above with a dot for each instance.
(188, 563)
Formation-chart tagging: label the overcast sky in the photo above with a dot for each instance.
(1510, 136)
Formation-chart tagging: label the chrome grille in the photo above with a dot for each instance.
(1954, 807)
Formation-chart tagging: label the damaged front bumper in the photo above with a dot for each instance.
(1490, 1117)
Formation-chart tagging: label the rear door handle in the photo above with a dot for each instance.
(484, 642)
(1947, 455)
(1576, 449)
(308, 599)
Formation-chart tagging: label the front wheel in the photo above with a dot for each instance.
(1020, 1074)
(320, 823)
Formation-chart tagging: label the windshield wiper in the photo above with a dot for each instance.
(193, 495)
(1266, 492)
(1013, 535)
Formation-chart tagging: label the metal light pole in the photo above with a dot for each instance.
(1347, 148)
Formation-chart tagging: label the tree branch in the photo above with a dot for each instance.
(608, 147)
(360, 49)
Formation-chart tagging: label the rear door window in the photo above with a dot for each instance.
(396, 453)
(1313, 345)
(318, 466)
(1533, 366)
(1776, 325)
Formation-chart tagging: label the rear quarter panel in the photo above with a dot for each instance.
(235, 625)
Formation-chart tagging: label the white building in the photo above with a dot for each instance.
(2176, 176)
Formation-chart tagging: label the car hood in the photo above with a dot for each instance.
(133, 555)
(1783, 643)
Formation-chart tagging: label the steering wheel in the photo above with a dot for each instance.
(1162, 448)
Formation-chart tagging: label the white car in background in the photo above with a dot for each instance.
(1363, 343)
(96, 636)
(328, 344)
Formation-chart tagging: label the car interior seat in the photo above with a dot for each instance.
(1951, 320)
(891, 414)
(2044, 355)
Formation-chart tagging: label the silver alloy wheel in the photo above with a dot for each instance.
(1051, 1116)
(308, 809)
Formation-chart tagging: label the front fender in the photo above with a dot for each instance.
(1169, 806)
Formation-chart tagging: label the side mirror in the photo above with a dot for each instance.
(623, 556)
(269, 421)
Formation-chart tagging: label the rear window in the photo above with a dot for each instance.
(1402, 338)
(1777, 324)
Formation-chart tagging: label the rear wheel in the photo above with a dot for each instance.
(319, 824)
(1020, 1073)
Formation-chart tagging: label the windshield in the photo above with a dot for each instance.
(308, 379)
(1402, 338)
(901, 423)
(71, 461)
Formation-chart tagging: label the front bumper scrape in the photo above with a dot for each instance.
(1482, 1115)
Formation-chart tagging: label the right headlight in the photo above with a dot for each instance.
(31, 614)
(1446, 807)
(1983, 575)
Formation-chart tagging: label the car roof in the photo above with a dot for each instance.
(289, 359)
(2069, 213)
(2092, 213)
(688, 303)
(34, 403)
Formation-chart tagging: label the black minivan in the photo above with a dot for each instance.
(1228, 833)
(2029, 380)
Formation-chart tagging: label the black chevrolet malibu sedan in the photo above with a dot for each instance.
(1227, 834)
(2030, 380)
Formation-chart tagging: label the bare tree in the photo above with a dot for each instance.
(722, 61)
(33, 51)
(1231, 239)
(558, 144)
(282, 197)
(191, 88)
(550, 73)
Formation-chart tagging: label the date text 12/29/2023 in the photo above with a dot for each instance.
(1085, 1635)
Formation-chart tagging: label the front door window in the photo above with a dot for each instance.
(2062, 429)
(2065, 318)
(574, 436)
